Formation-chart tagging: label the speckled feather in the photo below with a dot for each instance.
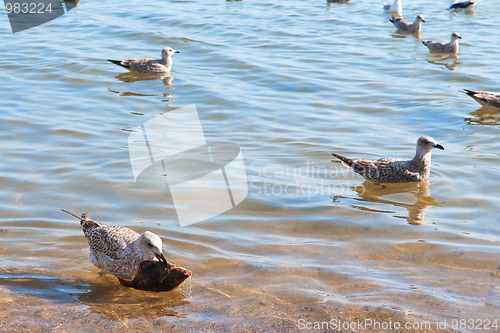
(444, 47)
(149, 65)
(119, 250)
(110, 240)
(485, 98)
(386, 170)
(393, 170)
(406, 26)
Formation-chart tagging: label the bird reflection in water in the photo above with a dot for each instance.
(132, 77)
(370, 192)
(449, 61)
(484, 116)
(120, 303)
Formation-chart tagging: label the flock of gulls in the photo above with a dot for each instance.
(137, 259)
(391, 170)
(415, 27)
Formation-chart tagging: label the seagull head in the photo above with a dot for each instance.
(150, 245)
(455, 36)
(168, 51)
(420, 18)
(426, 144)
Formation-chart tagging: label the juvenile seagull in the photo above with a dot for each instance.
(485, 98)
(119, 250)
(393, 170)
(396, 7)
(443, 47)
(408, 27)
(464, 5)
(163, 65)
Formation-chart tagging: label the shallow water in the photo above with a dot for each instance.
(289, 83)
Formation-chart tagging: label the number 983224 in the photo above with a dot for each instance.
(28, 8)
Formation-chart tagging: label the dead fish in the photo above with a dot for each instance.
(157, 276)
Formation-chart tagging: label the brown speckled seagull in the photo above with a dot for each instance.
(485, 98)
(163, 65)
(393, 170)
(119, 250)
(444, 47)
(408, 27)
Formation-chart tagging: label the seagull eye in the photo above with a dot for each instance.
(150, 245)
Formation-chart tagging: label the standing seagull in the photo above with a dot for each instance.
(393, 170)
(485, 98)
(148, 65)
(396, 7)
(408, 27)
(119, 250)
(443, 47)
(464, 5)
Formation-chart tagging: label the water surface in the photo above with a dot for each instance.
(289, 82)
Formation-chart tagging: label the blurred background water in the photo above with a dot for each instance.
(289, 82)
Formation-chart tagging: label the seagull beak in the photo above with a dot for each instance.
(161, 258)
(423, 20)
(439, 147)
(177, 51)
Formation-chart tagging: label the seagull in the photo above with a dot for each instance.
(119, 250)
(408, 27)
(485, 98)
(396, 7)
(393, 170)
(148, 65)
(464, 5)
(443, 47)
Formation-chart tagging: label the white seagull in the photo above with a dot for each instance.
(396, 7)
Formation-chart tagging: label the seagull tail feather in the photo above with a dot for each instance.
(118, 62)
(344, 160)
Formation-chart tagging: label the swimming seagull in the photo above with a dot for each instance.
(396, 7)
(464, 5)
(148, 65)
(485, 98)
(443, 47)
(393, 170)
(119, 250)
(409, 27)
